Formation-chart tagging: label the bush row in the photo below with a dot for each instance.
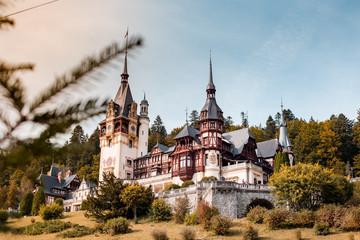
(342, 218)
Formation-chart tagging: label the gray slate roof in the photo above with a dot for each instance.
(171, 149)
(162, 148)
(124, 99)
(187, 131)
(268, 148)
(238, 139)
(212, 109)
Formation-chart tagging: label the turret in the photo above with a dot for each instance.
(143, 128)
(211, 129)
(284, 139)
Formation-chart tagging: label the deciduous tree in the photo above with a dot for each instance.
(305, 186)
(135, 196)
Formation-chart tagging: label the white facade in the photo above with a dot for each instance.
(74, 204)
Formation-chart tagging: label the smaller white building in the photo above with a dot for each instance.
(75, 198)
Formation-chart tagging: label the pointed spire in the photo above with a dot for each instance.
(125, 75)
(84, 178)
(210, 85)
(283, 135)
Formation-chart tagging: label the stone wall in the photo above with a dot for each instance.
(229, 197)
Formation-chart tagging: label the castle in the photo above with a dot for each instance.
(232, 156)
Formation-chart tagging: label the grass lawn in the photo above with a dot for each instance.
(143, 231)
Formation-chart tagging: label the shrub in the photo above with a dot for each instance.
(32, 220)
(160, 210)
(297, 234)
(46, 227)
(188, 234)
(187, 183)
(39, 199)
(26, 203)
(52, 211)
(304, 218)
(171, 186)
(277, 218)
(351, 220)
(331, 214)
(322, 229)
(181, 208)
(250, 233)
(221, 224)
(117, 226)
(4, 216)
(191, 219)
(208, 178)
(351, 236)
(59, 202)
(78, 231)
(205, 213)
(257, 214)
(159, 234)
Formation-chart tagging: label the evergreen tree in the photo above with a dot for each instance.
(194, 120)
(244, 120)
(12, 200)
(270, 129)
(227, 123)
(26, 204)
(343, 128)
(106, 203)
(281, 159)
(157, 133)
(39, 199)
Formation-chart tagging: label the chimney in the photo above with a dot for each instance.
(59, 177)
(68, 173)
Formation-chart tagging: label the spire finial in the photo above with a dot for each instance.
(186, 110)
(144, 95)
(210, 87)
(282, 104)
(125, 74)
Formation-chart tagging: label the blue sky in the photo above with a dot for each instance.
(307, 52)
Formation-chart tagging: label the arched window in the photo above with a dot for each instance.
(110, 143)
(188, 161)
(130, 143)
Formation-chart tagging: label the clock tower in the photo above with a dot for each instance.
(124, 133)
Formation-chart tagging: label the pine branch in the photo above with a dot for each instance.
(69, 82)
(6, 21)
(59, 120)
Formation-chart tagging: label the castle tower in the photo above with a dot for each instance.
(284, 140)
(211, 129)
(123, 134)
(143, 128)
